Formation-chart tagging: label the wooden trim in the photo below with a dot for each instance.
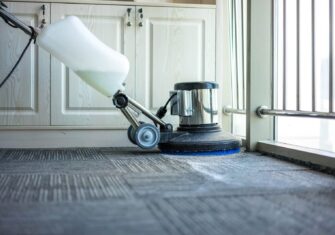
(124, 3)
(259, 70)
(315, 156)
(63, 138)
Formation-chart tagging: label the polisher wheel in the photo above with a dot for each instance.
(146, 136)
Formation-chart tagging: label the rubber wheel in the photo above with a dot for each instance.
(147, 136)
(131, 133)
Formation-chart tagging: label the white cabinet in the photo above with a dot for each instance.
(173, 45)
(73, 102)
(164, 45)
(25, 97)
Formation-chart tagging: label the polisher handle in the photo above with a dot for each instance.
(10, 19)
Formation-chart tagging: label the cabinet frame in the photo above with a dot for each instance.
(23, 104)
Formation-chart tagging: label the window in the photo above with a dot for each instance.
(289, 74)
(303, 71)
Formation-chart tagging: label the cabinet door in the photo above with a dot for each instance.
(173, 45)
(24, 98)
(73, 101)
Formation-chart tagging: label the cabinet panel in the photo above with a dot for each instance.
(174, 45)
(24, 99)
(73, 101)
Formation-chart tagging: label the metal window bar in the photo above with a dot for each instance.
(243, 54)
(238, 52)
(233, 54)
(284, 54)
(274, 97)
(298, 56)
(331, 87)
(265, 111)
(313, 55)
(237, 72)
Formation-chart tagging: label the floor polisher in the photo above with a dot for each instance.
(198, 132)
(106, 69)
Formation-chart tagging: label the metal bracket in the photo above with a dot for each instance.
(259, 111)
(129, 24)
(140, 12)
(43, 22)
(135, 106)
(226, 110)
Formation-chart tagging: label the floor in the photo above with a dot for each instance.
(129, 191)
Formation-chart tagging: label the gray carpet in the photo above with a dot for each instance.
(129, 191)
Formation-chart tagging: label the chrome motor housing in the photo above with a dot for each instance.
(195, 103)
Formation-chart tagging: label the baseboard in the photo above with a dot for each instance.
(63, 138)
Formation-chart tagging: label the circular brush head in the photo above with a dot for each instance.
(202, 143)
(205, 154)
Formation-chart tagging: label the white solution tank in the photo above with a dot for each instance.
(97, 64)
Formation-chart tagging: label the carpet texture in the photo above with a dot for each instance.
(130, 191)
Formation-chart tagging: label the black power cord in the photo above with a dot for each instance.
(162, 110)
(18, 61)
(32, 38)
